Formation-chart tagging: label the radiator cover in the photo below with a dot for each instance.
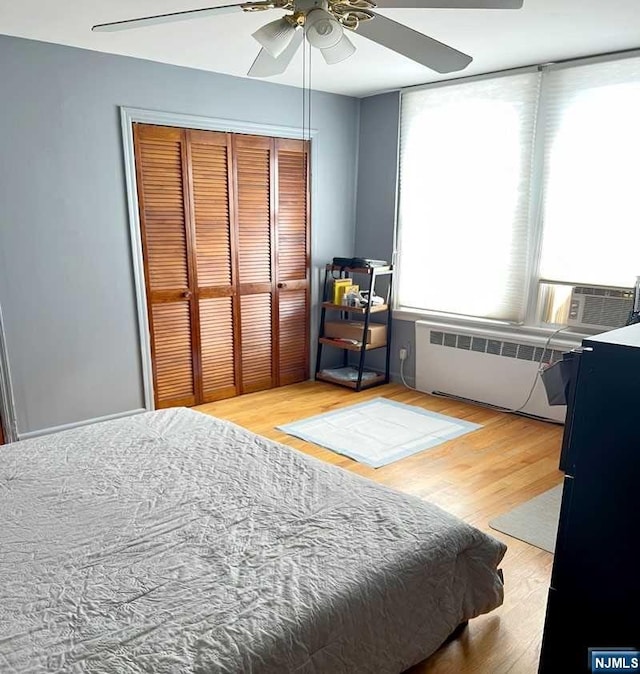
(487, 366)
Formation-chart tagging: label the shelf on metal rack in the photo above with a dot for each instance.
(347, 345)
(375, 308)
(360, 270)
(366, 383)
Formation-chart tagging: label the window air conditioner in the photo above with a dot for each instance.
(600, 307)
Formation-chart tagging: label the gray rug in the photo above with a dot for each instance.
(535, 521)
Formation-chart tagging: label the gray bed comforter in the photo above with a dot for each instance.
(176, 542)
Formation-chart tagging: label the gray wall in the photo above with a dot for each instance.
(66, 284)
(377, 168)
(376, 206)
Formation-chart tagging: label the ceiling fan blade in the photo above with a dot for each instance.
(450, 4)
(173, 16)
(266, 65)
(416, 46)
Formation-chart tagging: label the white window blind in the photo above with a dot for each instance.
(591, 209)
(463, 216)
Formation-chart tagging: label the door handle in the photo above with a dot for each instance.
(186, 294)
(282, 285)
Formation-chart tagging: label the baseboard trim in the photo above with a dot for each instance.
(77, 424)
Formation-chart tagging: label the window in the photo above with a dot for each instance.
(591, 211)
(516, 180)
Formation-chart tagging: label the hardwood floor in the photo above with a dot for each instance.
(477, 476)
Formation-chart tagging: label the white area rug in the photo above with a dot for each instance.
(535, 521)
(379, 431)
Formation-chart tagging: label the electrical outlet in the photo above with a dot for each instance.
(403, 353)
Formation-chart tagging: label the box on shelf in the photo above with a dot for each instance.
(376, 332)
(340, 285)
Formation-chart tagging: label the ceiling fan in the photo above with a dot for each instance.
(323, 22)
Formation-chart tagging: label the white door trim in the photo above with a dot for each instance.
(7, 403)
(128, 116)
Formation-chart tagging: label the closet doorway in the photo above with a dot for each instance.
(224, 222)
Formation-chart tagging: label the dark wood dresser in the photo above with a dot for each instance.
(594, 598)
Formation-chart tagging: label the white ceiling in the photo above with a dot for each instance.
(543, 31)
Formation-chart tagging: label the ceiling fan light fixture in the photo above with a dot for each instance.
(322, 29)
(339, 52)
(275, 36)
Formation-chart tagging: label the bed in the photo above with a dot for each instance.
(175, 542)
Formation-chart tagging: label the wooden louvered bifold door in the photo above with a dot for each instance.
(253, 157)
(161, 176)
(210, 158)
(292, 261)
(225, 240)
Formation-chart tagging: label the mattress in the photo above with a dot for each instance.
(175, 542)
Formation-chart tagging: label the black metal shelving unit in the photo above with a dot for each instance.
(370, 276)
